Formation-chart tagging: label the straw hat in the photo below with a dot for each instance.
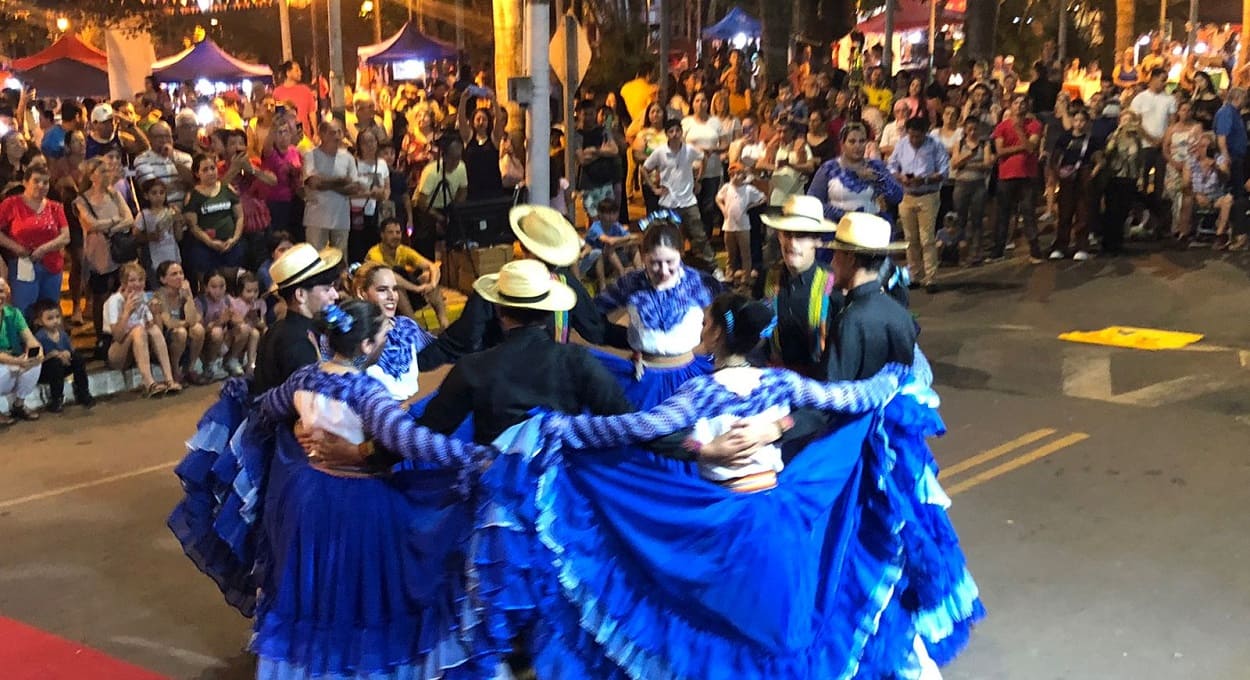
(801, 213)
(301, 263)
(526, 284)
(865, 233)
(545, 233)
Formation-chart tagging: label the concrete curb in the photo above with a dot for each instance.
(103, 383)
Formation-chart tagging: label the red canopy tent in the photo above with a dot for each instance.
(68, 68)
(912, 15)
(68, 47)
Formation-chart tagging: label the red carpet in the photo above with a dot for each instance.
(30, 654)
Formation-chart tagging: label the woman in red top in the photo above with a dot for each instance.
(34, 233)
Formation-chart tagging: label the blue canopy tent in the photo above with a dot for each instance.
(736, 22)
(206, 60)
(408, 44)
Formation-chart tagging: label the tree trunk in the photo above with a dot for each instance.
(980, 23)
(510, 53)
(1125, 15)
(777, 25)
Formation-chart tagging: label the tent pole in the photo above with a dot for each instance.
(284, 19)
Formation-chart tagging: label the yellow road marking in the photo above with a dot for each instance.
(996, 452)
(1016, 463)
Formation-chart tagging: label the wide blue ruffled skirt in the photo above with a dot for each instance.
(358, 578)
(610, 566)
(613, 567)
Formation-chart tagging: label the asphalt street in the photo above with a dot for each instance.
(1099, 493)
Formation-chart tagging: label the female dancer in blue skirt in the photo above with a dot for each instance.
(750, 570)
(664, 302)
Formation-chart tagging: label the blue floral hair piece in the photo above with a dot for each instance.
(665, 215)
(729, 321)
(339, 319)
(768, 330)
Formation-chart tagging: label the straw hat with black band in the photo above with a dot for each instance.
(545, 233)
(526, 284)
(302, 264)
(801, 213)
(865, 233)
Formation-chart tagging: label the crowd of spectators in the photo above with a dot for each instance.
(158, 217)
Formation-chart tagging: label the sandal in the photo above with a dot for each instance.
(6, 421)
(172, 387)
(153, 390)
(20, 412)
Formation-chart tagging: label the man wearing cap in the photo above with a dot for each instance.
(673, 171)
(544, 236)
(305, 279)
(921, 164)
(109, 131)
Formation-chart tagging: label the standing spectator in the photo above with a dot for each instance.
(34, 230)
(443, 185)
(280, 157)
(748, 149)
(921, 165)
(1044, 90)
(852, 182)
(483, 135)
(673, 171)
(14, 159)
(374, 178)
(644, 137)
(1016, 142)
(788, 160)
(364, 116)
(702, 131)
(1157, 108)
(104, 215)
(639, 93)
(1206, 101)
(1230, 133)
(111, 131)
(180, 320)
(66, 179)
(398, 191)
(187, 133)
(878, 91)
(21, 357)
(894, 130)
(53, 144)
(596, 153)
(971, 164)
(59, 358)
(135, 335)
(418, 146)
(159, 225)
(215, 221)
(1125, 73)
(329, 178)
(293, 91)
(1123, 159)
(165, 163)
(735, 200)
(823, 145)
(1071, 163)
(1178, 146)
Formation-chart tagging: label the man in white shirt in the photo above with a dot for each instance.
(164, 162)
(673, 171)
(1157, 109)
(444, 183)
(330, 178)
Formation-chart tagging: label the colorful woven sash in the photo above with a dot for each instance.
(562, 318)
(817, 307)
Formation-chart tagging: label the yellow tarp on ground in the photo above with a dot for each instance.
(1133, 338)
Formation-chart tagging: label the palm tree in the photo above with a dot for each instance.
(1125, 15)
(980, 24)
(510, 58)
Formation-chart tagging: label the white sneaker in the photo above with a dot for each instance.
(216, 372)
(1056, 255)
(234, 368)
(1011, 245)
(1081, 256)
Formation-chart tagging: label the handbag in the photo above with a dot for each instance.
(256, 216)
(123, 246)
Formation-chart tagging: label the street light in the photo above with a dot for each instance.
(62, 24)
(366, 7)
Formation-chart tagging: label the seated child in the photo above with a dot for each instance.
(59, 357)
(608, 241)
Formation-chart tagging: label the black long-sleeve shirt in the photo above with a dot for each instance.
(795, 338)
(478, 326)
(528, 369)
(289, 344)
